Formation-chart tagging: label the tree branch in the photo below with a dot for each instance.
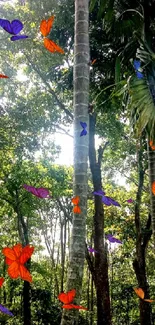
(50, 90)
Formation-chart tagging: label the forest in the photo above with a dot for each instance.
(77, 162)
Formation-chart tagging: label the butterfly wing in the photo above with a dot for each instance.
(149, 300)
(105, 200)
(1, 281)
(8, 261)
(31, 189)
(83, 132)
(153, 187)
(72, 306)
(68, 306)
(12, 28)
(77, 209)
(79, 307)
(17, 37)
(5, 310)
(136, 64)
(93, 62)
(68, 297)
(13, 270)
(92, 250)
(129, 201)
(110, 200)
(16, 26)
(46, 25)
(110, 238)
(4, 22)
(24, 273)
(75, 200)
(43, 192)
(26, 254)
(117, 240)
(99, 192)
(139, 292)
(3, 76)
(52, 47)
(139, 75)
(83, 124)
(151, 145)
(12, 253)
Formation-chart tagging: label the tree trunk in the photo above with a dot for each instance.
(139, 263)
(81, 101)
(101, 262)
(26, 303)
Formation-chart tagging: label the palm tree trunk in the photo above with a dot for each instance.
(81, 101)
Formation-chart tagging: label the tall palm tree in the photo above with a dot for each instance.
(81, 101)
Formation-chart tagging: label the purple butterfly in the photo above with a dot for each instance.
(137, 64)
(113, 239)
(84, 131)
(92, 250)
(106, 199)
(13, 28)
(17, 37)
(5, 310)
(40, 192)
(109, 201)
(99, 192)
(130, 200)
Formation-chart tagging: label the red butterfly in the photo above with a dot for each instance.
(75, 201)
(1, 281)
(67, 298)
(45, 28)
(16, 257)
(3, 76)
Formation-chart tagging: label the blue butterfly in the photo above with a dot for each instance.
(84, 131)
(137, 64)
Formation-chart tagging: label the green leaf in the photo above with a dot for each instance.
(92, 5)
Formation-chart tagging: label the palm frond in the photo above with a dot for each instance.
(142, 107)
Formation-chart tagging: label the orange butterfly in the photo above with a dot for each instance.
(3, 76)
(153, 187)
(16, 257)
(152, 145)
(75, 201)
(93, 62)
(140, 294)
(45, 28)
(1, 281)
(67, 298)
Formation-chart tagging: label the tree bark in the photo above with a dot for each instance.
(139, 263)
(81, 101)
(101, 262)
